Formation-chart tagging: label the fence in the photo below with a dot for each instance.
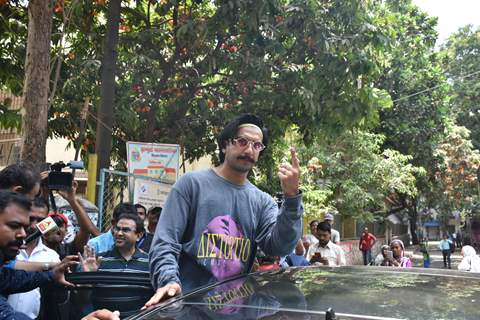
(114, 189)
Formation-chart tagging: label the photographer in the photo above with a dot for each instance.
(54, 239)
(63, 183)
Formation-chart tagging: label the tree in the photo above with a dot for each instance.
(462, 64)
(415, 80)
(187, 67)
(107, 102)
(37, 81)
(456, 180)
(353, 175)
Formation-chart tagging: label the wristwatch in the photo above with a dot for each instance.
(46, 266)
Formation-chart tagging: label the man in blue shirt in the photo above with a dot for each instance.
(444, 245)
(125, 255)
(106, 241)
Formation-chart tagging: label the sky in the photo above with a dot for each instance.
(452, 14)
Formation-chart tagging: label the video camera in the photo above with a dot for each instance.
(59, 180)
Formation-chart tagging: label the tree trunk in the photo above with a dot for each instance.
(103, 143)
(413, 216)
(37, 81)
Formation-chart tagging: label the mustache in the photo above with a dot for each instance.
(247, 158)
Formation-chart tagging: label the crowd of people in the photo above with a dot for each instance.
(213, 226)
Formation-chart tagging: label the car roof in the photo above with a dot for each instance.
(352, 293)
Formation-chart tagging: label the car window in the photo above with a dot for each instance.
(126, 292)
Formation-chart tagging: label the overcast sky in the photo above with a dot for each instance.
(452, 14)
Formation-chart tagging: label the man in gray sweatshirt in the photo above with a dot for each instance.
(213, 220)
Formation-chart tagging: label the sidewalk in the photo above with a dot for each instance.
(436, 257)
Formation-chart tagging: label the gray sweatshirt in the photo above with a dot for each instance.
(209, 230)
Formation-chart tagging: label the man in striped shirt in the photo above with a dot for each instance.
(125, 256)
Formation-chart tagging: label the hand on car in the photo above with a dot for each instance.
(289, 175)
(163, 293)
(103, 314)
(60, 269)
(89, 261)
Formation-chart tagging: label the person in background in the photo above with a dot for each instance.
(297, 258)
(445, 246)
(399, 258)
(325, 251)
(425, 253)
(141, 211)
(311, 238)
(55, 240)
(106, 241)
(470, 261)
(381, 259)
(22, 178)
(152, 218)
(366, 243)
(335, 234)
(125, 256)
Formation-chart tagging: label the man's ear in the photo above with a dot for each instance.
(18, 189)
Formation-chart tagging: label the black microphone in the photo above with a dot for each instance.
(46, 225)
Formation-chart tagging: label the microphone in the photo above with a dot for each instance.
(46, 225)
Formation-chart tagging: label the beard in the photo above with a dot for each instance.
(9, 252)
(242, 164)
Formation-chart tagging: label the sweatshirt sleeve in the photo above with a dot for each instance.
(278, 233)
(166, 244)
(18, 281)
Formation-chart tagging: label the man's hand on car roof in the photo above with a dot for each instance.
(103, 314)
(163, 293)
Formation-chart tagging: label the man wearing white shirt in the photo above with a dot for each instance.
(325, 251)
(29, 302)
(335, 234)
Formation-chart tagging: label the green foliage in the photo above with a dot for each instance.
(13, 34)
(9, 119)
(462, 64)
(185, 68)
(352, 174)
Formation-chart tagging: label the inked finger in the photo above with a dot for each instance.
(295, 161)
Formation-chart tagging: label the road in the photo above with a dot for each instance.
(436, 256)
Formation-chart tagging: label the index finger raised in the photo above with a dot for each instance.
(295, 161)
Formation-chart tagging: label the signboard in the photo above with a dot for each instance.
(150, 193)
(154, 160)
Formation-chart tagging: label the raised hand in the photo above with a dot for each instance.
(70, 193)
(64, 266)
(289, 174)
(89, 261)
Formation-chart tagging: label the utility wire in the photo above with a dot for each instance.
(396, 100)
(435, 87)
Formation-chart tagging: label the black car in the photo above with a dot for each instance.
(300, 293)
